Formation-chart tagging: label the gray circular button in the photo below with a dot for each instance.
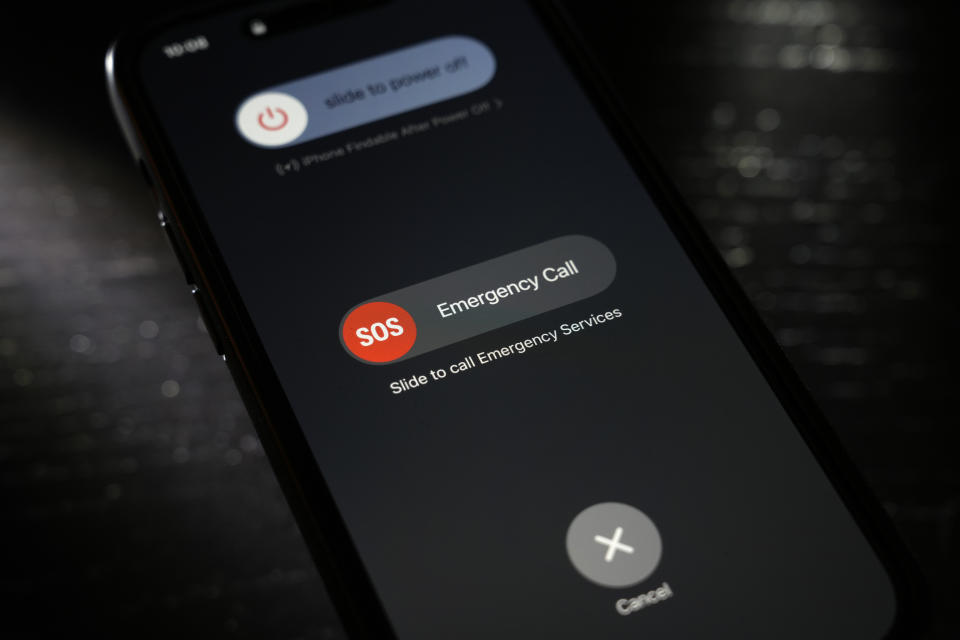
(614, 544)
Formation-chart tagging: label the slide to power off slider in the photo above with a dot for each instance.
(271, 119)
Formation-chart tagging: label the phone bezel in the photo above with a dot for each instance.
(323, 529)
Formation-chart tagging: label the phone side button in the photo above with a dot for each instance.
(168, 231)
(213, 328)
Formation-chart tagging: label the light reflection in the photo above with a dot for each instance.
(784, 12)
(768, 119)
(148, 329)
(831, 34)
(80, 343)
(170, 388)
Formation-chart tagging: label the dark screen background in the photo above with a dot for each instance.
(133, 506)
(458, 495)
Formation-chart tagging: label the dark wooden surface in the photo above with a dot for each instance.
(815, 140)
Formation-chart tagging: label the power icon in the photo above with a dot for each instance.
(271, 119)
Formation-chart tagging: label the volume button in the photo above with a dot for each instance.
(213, 328)
(172, 239)
(209, 319)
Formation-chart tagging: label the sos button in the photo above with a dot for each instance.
(379, 332)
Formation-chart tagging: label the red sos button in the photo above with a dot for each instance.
(379, 332)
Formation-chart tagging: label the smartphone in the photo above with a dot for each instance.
(507, 385)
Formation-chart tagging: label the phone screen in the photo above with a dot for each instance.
(530, 411)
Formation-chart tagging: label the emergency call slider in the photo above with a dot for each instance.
(477, 299)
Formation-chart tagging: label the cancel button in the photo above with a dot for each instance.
(626, 606)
